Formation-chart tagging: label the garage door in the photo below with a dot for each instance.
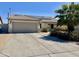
(22, 27)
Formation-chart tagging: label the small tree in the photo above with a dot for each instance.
(68, 15)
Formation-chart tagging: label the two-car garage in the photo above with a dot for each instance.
(23, 24)
(24, 27)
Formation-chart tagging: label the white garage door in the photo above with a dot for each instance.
(24, 27)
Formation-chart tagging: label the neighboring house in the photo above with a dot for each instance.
(25, 23)
(1, 24)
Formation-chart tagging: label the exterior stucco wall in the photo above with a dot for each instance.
(23, 25)
(36, 22)
(44, 25)
(0, 22)
(10, 27)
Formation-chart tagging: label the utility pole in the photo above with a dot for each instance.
(9, 13)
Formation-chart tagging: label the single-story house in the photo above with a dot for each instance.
(1, 24)
(25, 23)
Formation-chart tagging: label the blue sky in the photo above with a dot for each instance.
(29, 8)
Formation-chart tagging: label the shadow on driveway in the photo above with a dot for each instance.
(52, 38)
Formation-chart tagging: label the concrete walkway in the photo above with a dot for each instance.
(36, 45)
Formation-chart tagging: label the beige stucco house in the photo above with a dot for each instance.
(25, 23)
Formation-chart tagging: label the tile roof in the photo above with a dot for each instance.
(36, 18)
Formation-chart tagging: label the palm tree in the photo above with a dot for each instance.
(68, 15)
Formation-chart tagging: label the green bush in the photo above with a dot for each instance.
(44, 30)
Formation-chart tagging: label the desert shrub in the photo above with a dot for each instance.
(44, 30)
(70, 26)
(61, 28)
(74, 36)
(59, 34)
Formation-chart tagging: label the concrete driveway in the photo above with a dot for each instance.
(36, 45)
